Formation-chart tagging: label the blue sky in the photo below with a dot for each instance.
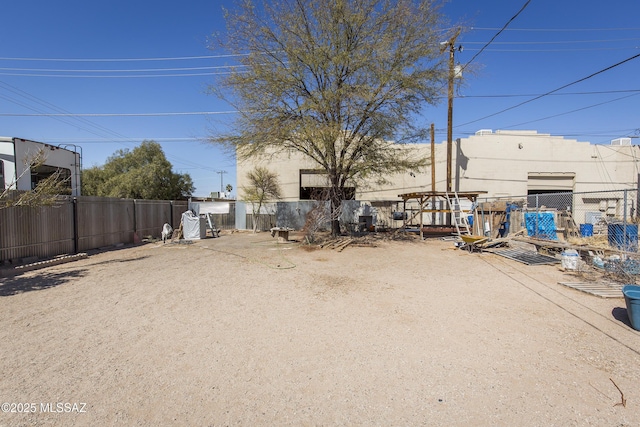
(60, 57)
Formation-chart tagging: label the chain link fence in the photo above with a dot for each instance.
(602, 225)
(609, 217)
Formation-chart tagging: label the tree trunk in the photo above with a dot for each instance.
(335, 199)
(254, 217)
(335, 220)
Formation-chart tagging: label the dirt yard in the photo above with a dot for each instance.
(240, 330)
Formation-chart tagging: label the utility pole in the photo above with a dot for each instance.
(433, 173)
(451, 44)
(221, 175)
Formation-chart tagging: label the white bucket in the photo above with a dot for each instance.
(570, 259)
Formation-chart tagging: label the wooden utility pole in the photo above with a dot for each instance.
(433, 158)
(433, 173)
(452, 75)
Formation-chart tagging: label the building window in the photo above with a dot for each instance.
(549, 189)
(314, 185)
(2, 183)
(43, 172)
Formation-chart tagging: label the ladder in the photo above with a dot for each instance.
(214, 231)
(458, 216)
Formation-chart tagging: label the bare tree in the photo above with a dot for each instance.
(335, 80)
(263, 186)
(48, 191)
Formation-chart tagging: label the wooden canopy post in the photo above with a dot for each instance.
(433, 173)
(404, 215)
(424, 197)
(421, 209)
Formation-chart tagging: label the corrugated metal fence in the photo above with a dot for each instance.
(81, 223)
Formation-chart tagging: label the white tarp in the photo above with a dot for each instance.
(193, 227)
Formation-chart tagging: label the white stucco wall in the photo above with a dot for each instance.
(286, 166)
(499, 163)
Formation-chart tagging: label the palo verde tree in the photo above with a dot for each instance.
(336, 80)
(263, 186)
(143, 173)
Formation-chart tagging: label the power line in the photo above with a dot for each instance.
(591, 49)
(115, 77)
(557, 29)
(555, 90)
(570, 112)
(177, 58)
(130, 70)
(599, 92)
(497, 34)
(556, 41)
(110, 141)
(103, 130)
(185, 113)
(206, 113)
(45, 104)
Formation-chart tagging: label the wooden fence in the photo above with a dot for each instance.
(264, 221)
(226, 221)
(81, 223)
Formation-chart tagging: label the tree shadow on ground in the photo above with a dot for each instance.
(621, 315)
(114, 261)
(18, 284)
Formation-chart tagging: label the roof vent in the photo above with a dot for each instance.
(621, 141)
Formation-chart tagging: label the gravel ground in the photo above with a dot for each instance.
(240, 330)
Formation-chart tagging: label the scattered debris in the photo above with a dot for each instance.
(525, 256)
(177, 233)
(181, 242)
(341, 243)
(60, 259)
(623, 400)
(338, 244)
(600, 289)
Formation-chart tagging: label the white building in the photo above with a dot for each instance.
(17, 153)
(500, 163)
(495, 164)
(511, 163)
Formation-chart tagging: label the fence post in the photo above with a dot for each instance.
(625, 239)
(135, 222)
(76, 237)
(536, 233)
(637, 191)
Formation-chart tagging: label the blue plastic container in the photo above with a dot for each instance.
(623, 237)
(632, 299)
(586, 230)
(541, 225)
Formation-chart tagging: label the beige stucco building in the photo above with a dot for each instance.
(500, 163)
(497, 164)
